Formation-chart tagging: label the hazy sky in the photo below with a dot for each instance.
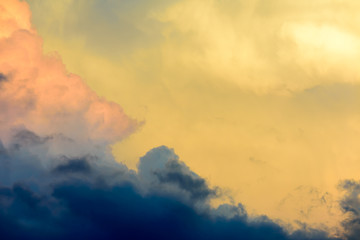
(259, 97)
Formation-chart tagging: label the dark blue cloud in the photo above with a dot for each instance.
(44, 196)
(78, 210)
(79, 165)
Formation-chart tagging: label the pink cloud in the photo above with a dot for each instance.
(37, 92)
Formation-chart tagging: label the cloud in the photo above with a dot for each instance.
(59, 180)
(269, 48)
(94, 198)
(222, 81)
(73, 166)
(41, 96)
(350, 205)
(277, 48)
(162, 171)
(48, 116)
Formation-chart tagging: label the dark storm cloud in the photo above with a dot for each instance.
(119, 212)
(80, 165)
(165, 200)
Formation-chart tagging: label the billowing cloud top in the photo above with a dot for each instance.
(37, 93)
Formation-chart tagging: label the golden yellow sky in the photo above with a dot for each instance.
(262, 98)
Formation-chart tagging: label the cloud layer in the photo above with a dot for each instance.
(92, 198)
(58, 178)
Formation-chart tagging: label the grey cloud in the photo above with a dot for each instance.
(79, 165)
(161, 170)
(44, 159)
(176, 174)
(26, 137)
(165, 200)
(350, 205)
(228, 211)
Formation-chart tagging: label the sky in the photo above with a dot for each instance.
(245, 114)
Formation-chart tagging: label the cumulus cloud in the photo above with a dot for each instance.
(40, 95)
(58, 178)
(78, 198)
(161, 171)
